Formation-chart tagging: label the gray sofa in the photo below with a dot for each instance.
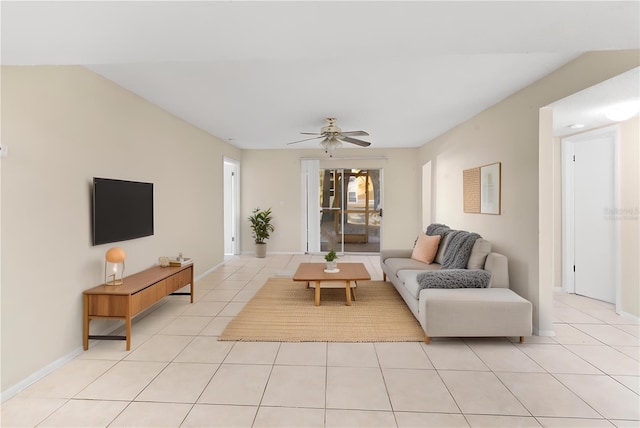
(460, 312)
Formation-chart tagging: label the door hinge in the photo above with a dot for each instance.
(574, 158)
(233, 239)
(380, 212)
(574, 268)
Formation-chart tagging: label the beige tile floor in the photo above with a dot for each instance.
(179, 375)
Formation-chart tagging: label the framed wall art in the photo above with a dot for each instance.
(482, 189)
(471, 190)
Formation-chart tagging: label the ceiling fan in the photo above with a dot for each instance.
(333, 137)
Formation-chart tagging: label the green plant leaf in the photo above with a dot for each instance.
(261, 226)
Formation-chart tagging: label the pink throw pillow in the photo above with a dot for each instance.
(426, 248)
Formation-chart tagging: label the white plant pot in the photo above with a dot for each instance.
(331, 266)
(261, 250)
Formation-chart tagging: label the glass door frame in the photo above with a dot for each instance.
(312, 209)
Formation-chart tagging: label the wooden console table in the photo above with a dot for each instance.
(138, 292)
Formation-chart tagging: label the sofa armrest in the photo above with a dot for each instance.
(498, 265)
(396, 254)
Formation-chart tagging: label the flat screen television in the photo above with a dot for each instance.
(122, 210)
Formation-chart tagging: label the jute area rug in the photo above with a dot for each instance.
(284, 311)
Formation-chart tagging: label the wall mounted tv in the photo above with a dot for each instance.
(122, 210)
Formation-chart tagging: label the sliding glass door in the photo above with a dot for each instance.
(350, 210)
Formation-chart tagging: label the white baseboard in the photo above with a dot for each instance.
(279, 253)
(208, 271)
(629, 316)
(33, 378)
(109, 330)
(10, 392)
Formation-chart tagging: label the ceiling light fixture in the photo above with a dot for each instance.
(330, 144)
(621, 112)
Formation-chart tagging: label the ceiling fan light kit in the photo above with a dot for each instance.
(330, 144)
(333, 137)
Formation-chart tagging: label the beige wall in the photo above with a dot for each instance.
(272, 178)
(557, 213)
(546, 232)
(630, 216)
(509, 133)
(65, 125)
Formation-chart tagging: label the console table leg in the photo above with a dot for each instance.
(127, 322)
(85, 326)
(192, 284)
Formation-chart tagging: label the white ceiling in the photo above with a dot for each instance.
(590, 106)
(258, 73)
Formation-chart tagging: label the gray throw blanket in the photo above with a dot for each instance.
(458, 249)
(454, 278)
(438, 229)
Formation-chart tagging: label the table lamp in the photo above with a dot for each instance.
(114, 265)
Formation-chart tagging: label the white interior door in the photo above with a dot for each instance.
(231, 198)
(594, 230)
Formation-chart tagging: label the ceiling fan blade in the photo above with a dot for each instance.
(354, 141)
(311, 133)
(355, 133)
(306, 139)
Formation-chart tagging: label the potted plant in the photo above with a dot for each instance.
(330, 258)
(261, 229)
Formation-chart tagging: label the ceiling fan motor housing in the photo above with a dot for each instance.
(330, 128)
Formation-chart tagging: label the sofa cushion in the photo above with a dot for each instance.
(397, 265)
(394, 254)
(441, 247)
(410, 282)
(481, 248)
(425, 248)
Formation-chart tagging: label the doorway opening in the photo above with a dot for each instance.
(589, 196)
